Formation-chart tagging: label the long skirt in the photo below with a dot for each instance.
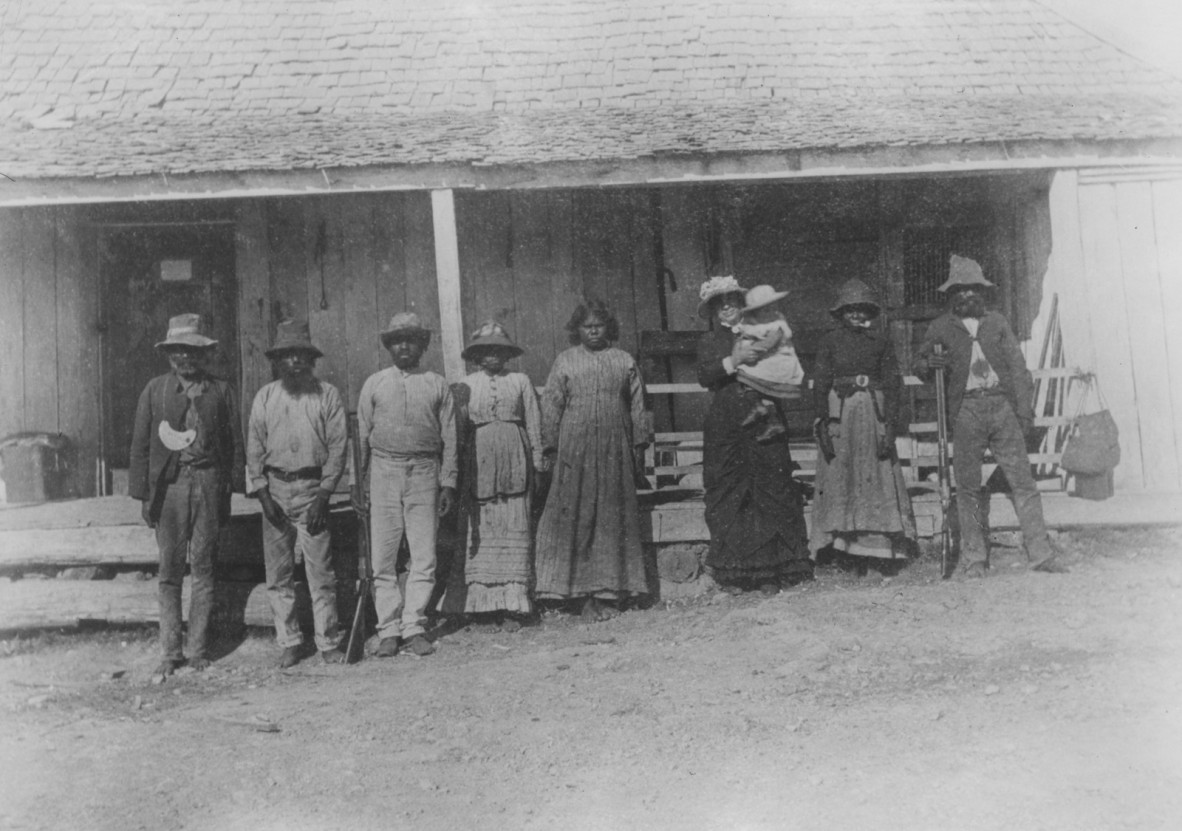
(499, 570)
(861, 505)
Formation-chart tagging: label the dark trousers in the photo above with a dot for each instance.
(188, 529)
(989, 422)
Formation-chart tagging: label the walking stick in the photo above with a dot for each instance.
(355, 650)
(942, 462)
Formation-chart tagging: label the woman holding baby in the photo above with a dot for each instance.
(753, 505)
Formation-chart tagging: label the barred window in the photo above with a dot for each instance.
(925, 260)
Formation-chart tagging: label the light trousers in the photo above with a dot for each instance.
(279, 550)
(404, 498)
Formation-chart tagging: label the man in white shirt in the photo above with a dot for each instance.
(407, 434)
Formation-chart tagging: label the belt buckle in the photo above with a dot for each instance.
(862, 381)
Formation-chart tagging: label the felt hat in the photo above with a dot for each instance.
(405, 325)
(964, 272)
(490, 335)
(854, 293)
(186, 330)
(761, 296)
(292, 336)
(716, 287)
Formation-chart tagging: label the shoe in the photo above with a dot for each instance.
(976, 570)
(388, 648)
(510, 624)
(199, 664)
(769, 589)
(799, 574)
(1050, 565)
(420, 646)
(166, 668)
(332, 656)
(291, 657)
(731, 589)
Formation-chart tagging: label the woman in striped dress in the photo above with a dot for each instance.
(503, 451)
(594, 425)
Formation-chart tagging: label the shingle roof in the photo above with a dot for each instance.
(92, 88)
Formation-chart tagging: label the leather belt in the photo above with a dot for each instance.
(293, 475)
(981, 392)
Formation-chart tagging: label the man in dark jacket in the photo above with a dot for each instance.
(990, 406)
(186, 458)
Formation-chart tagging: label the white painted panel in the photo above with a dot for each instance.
(1167, 217)
(1103, 277)
(1146, 324)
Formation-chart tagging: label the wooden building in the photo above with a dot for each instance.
(257, 160)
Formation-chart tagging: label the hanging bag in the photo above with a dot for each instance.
(1093, 445)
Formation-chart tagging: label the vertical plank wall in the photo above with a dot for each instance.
(346, 264)
(1117, 266)
(49, 332)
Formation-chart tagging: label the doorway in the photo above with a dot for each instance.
(148, 274)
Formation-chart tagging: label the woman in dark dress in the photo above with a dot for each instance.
(861, 508)
(753, 505)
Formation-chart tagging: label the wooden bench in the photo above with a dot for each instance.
(673, 462)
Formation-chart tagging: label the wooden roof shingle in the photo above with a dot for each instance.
(94, 88)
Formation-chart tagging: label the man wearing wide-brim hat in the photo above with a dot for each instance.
(407, 434)
(295, 455)
(990, 406)
(186, 458)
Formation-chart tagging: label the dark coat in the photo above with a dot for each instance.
(163, 399)
(751, 498)
(843, 352)
(1000, 348)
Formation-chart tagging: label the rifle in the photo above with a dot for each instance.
(942, 462)
(355, 650)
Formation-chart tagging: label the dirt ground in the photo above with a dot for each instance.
(1025, 700)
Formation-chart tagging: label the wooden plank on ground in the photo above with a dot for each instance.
(1167, 217)
(12, 326)
(38, 604)
(1147, 319)
(1114, 362)
(122, 545)
(40, 312)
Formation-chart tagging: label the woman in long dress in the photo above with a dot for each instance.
(503, 451)
(861, 508)
(753, 505)
(593, 425)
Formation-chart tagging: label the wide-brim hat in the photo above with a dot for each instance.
(293, 336)
(964, 272)
(491, 335)
(405, 325)
(854, 293)
(186, 330)
(716, 287)
(761, 296)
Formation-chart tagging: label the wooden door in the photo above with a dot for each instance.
(149, 274)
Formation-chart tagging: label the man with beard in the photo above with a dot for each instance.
(295, 455)
(990, 406)
(186, 458)
(406, 428)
